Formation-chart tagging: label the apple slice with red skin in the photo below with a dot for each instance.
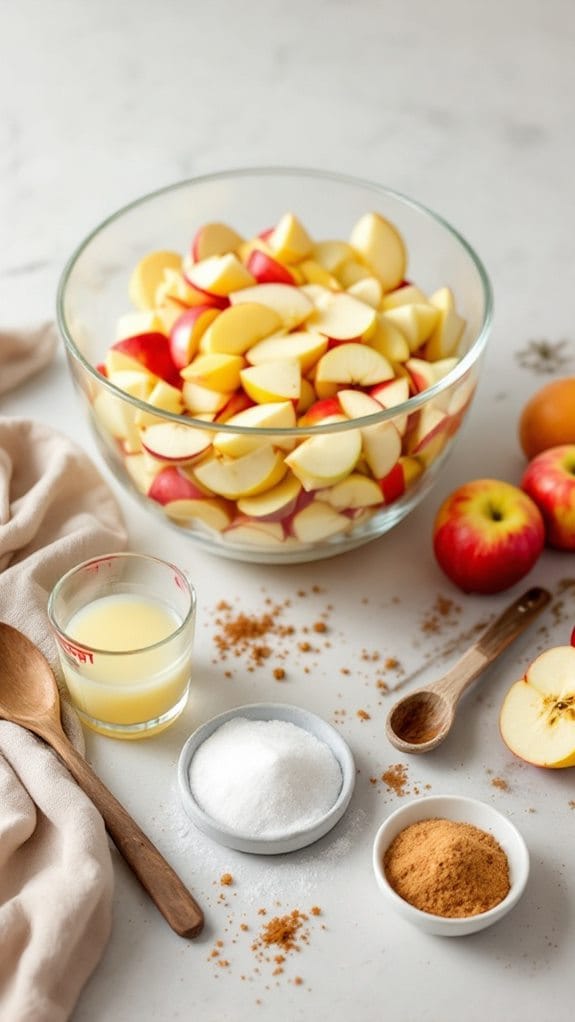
(381, 442)
(391, 393)
(267, 270)
(186, 333)
(319, 411)
(487, 535)
(172, 441)
(273, 505)
(153, 352)
(218, 275)
(352, 364)
(171, 484)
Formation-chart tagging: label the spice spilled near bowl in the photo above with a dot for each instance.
(447, 868)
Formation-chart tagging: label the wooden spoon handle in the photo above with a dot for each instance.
(163, 885)
(493, 641)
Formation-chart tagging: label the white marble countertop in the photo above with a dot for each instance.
(468, 108)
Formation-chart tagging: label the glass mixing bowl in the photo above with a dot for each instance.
(247, 504)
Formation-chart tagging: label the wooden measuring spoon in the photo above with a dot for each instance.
(29, 697)
(421, 720)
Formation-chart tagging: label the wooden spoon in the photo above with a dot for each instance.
(421, 720)
(29, 697)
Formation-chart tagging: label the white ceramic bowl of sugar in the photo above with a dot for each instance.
(294, 839)
(463, 810)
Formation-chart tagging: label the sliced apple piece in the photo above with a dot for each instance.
(214, 239)
(213, 512)
(405, 294)
(328, 408)
(325, 459)
(368, 290)
(254, 533)
(304, 345)
(449, 328)
(148, 275)
(140, 472)
(238, 402)
(381, 443)
(165, 398)
(272, 381)
(187, 331)
(174, 288)
(307, 396)
(389, 340)
(537, 718)
(219, 275)
(279, 415)
(135, 382)
(318, 521)
(242, 477)
(430, 433)
(350, 364)
(352, 271)
(355, 491)
(290, 241)
(402, 475)
(416, 322)
(267, 270)
(215, 371)
(274, 505)
(199, 400)
(238, 328)
(314, 273)
(331, 255)
(391, 393)
(116, 416)
(134, 323)
(343, 317)
(171, 485)
(291, 304)
(149, 350)
(174, 441)
(381, 247)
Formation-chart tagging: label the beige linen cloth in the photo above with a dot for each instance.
(55, 864)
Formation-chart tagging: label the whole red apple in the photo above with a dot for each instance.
(487, 535)
(549, 480)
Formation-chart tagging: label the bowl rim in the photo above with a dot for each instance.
(418, 916)
(406, 407)
(294, 840)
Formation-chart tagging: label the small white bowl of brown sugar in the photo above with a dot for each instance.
(450, 865)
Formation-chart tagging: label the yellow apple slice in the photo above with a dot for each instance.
(537, 718)
(290, 303)
(449, 328)
(391, 393)
(368, 290)
(289, 241)
(319, 520)
(135, 323)
(314, 273)
(342, 317)
(331, 255)
(198, 399)
(416, 322)
(272, 381)
(211, 512)
(215, 371)
(242, 477)
(304, 345)
(219, 275)
(355, 491)
(275, 504)
(148, 275)
(381, 443)
(407, 294)
(140, 472)
(325, 459)
(174, 442)
(352, 271)
(350, 364)
(430, 434)
(174, 288)
(278, 415)
(165, 398)
(236, 329)
(381, 247)
(214, 239)
(307, 396)
(388, 339)
(116, 417)
(254, 533)
(135, 382)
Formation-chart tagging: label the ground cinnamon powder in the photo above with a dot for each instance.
(447, 868)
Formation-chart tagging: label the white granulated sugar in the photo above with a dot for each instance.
(264, 778)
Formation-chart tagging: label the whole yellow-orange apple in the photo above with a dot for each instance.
(487, 535)
(549, 479)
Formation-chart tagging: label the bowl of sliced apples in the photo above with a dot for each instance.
(276, 362)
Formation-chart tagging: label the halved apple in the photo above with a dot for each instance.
(214, 239)
(273, 415)
(219, 275)
(242, 477)
(343, 317)
(273, 505)
(325, 459)
(352, 364)
(289, 240)
(537, 718)
(173, 441)
(148, 274)
(381, 247)
(273, 381)
(290, 303)
(236, 329)
(306, 346)
(215, 371)
(319, 520)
